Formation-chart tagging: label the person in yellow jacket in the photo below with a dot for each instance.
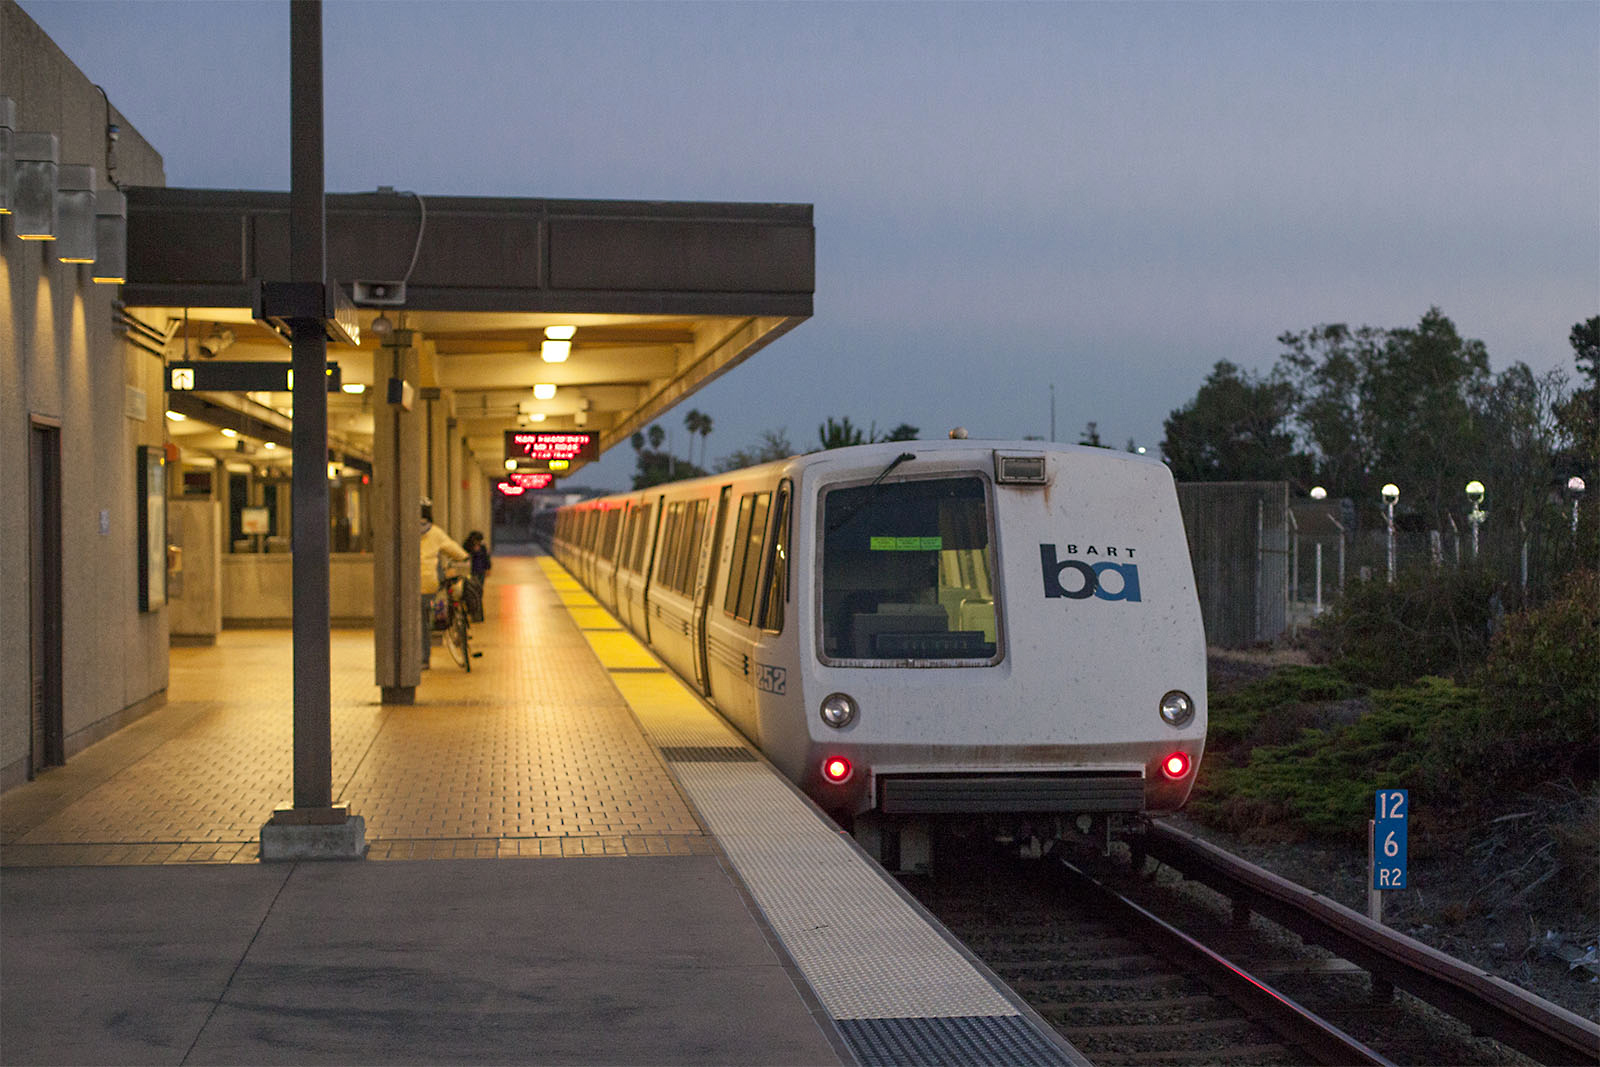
(439, 549)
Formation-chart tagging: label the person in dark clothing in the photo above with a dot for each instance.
(478, 550)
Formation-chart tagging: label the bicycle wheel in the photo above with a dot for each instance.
(455, 635)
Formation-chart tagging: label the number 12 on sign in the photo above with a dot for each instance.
(1391, 809)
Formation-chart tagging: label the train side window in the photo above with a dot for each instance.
(666, 560)
(752, 553)
(641, 538)
(908, 573)
(776, 593)
(736, 557)
(694, 523)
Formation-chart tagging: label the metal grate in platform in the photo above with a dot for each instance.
(982, 1041)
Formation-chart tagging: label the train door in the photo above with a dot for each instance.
(709, 558)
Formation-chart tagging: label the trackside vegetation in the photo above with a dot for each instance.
(1470, 709)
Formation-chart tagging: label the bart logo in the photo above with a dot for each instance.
(1090, 578)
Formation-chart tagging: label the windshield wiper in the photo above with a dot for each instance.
(871, 493)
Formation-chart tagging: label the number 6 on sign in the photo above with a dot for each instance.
(1390, 810)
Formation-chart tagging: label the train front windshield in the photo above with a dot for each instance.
(908, 573)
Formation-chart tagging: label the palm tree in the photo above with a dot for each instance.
(705, 432)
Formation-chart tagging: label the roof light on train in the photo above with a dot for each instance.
(1176, 765)
(1177, 708)
(838, 710)
(836, 769)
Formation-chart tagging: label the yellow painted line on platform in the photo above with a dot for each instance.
(670, 712)
(596, 618)
(618, 650)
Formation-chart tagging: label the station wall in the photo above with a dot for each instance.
(64, 363)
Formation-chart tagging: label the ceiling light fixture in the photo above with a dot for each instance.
(227, 432)
(544, 391)
(74, 213)
(353, 388)
(557, 344)
(33, 193)
(8, 120)
(176, 416)
(110, 238)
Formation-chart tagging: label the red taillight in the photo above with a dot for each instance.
(1175, 765)
(836, 769)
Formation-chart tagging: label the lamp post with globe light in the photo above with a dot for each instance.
(1390, 493)
(1575, 490)
(1477, 514)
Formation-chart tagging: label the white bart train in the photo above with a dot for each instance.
(917, 630)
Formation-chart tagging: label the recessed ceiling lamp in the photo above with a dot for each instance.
(226, 432)
(353, 388)
(270, 445)
(537, 416)
(544, 391)
(176, 416)
(557, 344)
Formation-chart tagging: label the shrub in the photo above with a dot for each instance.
(1429, 622)
(1322, 781)
(1541, 686)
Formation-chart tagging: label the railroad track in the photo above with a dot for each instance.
(1125, 986)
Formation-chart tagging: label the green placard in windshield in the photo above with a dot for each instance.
(907, 544)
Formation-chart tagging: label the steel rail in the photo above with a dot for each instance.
(1490, 1005)
(1310, 1033)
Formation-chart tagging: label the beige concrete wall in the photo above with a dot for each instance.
(258, 589)
(61, 358)
(195, 592)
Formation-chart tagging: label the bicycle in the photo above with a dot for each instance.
(458, 622)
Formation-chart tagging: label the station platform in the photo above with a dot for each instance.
(701, 910)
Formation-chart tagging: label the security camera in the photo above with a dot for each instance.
(214, 344)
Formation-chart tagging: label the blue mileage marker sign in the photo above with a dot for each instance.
(1390, 810)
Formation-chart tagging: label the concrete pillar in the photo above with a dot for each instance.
(195, 599)
(396, 529)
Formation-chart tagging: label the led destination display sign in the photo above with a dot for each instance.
(239, 376)
(531, 480)
(543, 447)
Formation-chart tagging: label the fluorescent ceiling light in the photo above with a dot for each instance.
(560, 333)
(555, 351)
(354, 388)
(226, 432)
(176, 416)
(544, 391)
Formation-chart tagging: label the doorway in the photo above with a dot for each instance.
(47, 742)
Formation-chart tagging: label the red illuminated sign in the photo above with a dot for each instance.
(531, 480)
(542, 447)
(507, 489)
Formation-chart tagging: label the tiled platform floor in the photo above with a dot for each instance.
(533, 753)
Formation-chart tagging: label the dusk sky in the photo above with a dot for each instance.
(1106, 197)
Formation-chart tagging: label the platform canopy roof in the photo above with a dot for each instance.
(662, 297)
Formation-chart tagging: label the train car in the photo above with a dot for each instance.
(914, 631)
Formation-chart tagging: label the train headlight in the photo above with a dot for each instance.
(838, 710)
(1177, 708)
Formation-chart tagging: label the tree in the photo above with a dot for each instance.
(1235, 429)
(1091, 436)
(839, 434)
(655, 465)
(697, 422)
(1578, 417)
(904, 432)
(774, 445)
